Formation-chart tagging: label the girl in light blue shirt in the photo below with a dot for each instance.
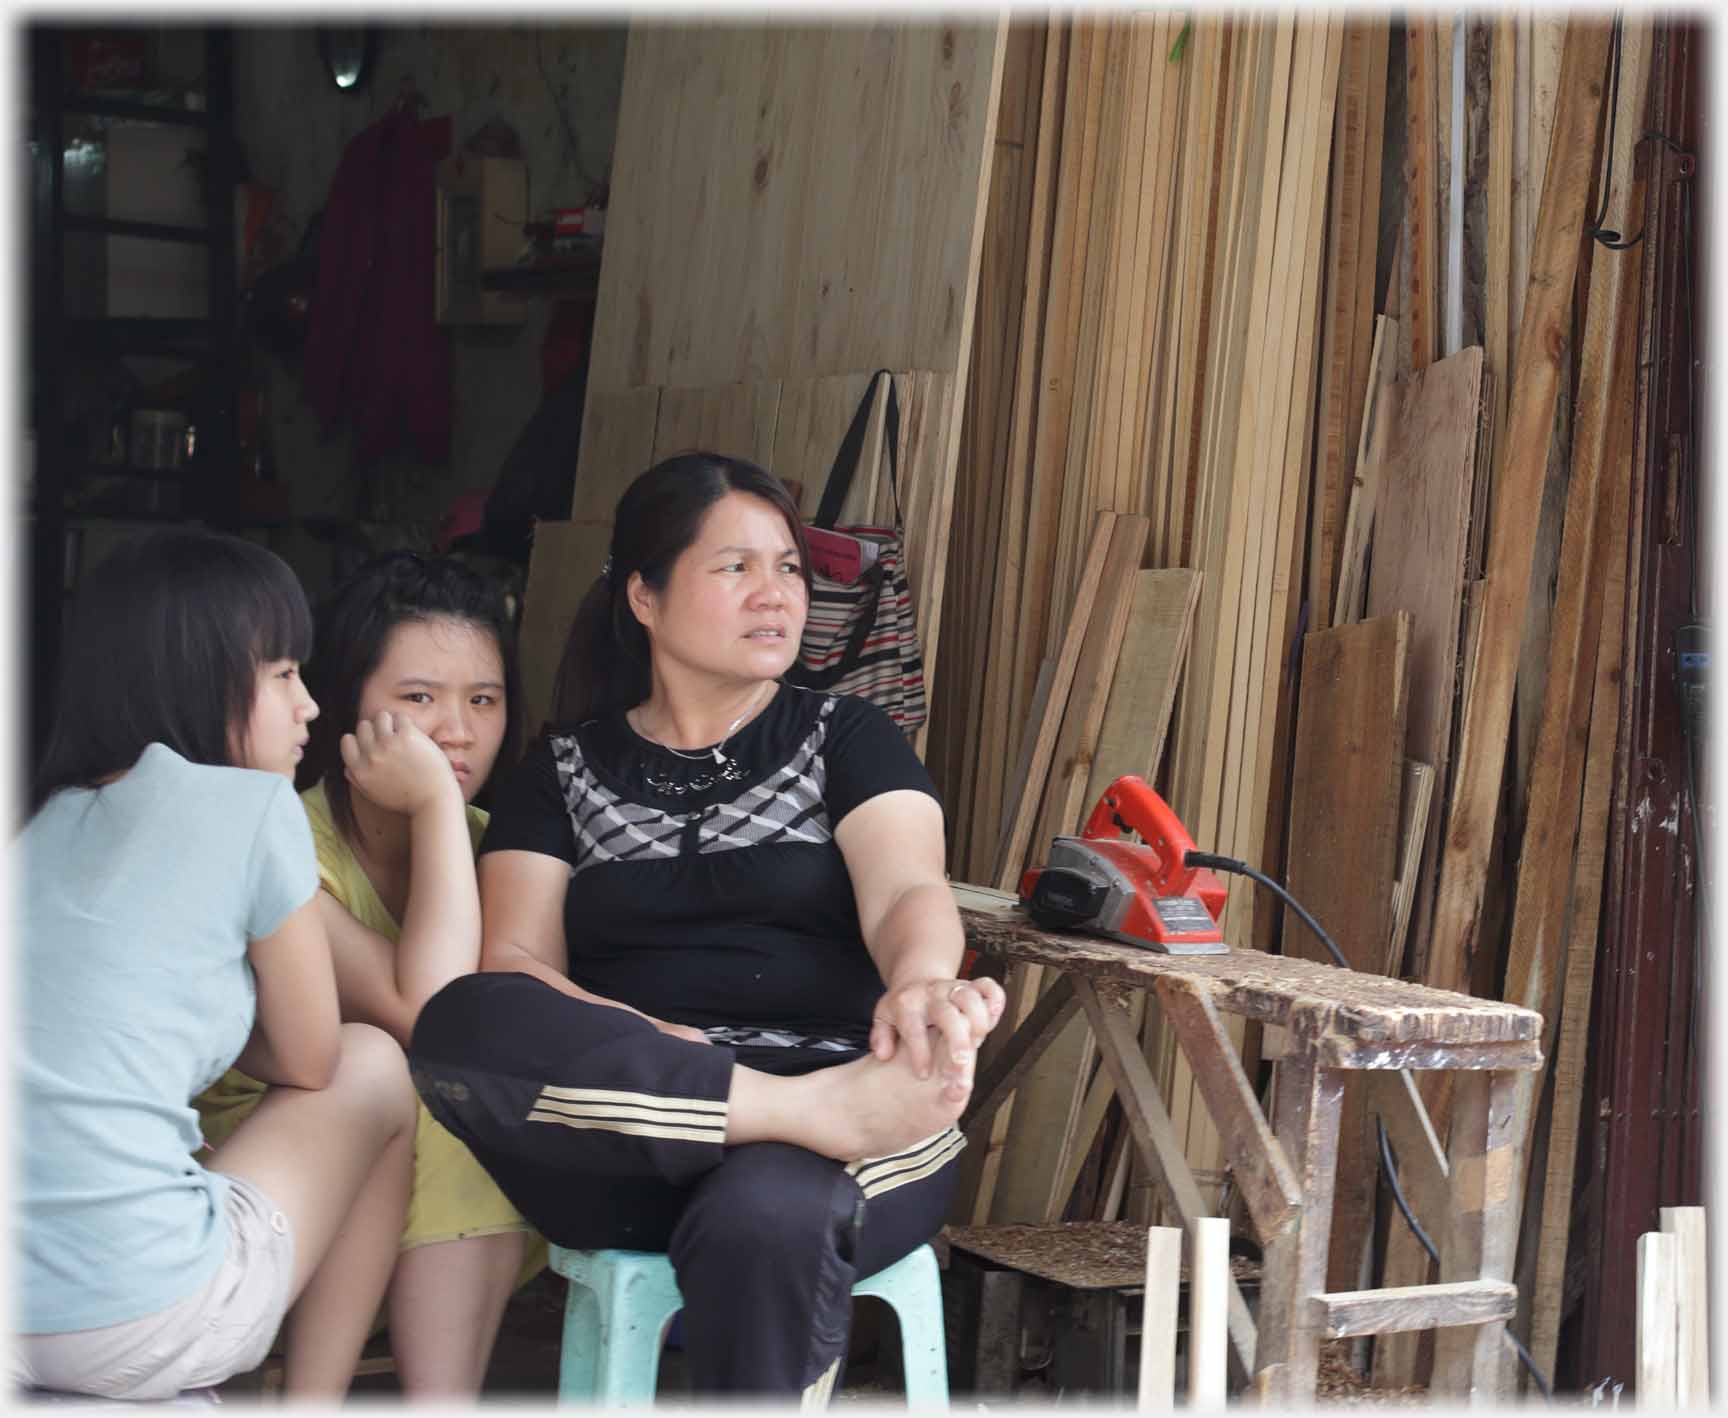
(166, 929)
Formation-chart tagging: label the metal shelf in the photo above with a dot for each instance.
(151, 231)
(139, 334)
(131, 108)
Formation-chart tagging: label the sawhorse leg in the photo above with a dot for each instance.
(1306, 1118)
(1481, 1234)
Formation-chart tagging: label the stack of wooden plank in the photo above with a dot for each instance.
(1409, 535)
(1557, 846)
(1165, 316)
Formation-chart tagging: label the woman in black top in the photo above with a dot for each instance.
(720, 1015)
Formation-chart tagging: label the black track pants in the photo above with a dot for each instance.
(604, 1132)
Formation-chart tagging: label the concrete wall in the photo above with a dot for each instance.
(295, 125)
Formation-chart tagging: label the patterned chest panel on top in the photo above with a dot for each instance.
(786, 806)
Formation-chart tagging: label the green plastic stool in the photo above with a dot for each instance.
(620, 1303)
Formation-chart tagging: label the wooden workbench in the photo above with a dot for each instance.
(1333, 1020)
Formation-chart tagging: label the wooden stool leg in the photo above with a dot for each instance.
(1306, 1122)
(1480, 1237)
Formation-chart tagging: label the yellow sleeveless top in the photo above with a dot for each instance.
(453, 1196)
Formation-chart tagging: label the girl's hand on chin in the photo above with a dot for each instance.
(391, 761)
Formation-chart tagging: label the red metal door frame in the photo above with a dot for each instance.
(1644, 1138)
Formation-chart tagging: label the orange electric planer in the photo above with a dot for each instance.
(1142, 893)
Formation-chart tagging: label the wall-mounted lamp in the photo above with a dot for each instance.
(347, 54)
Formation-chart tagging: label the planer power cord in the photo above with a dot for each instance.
(1231, 865)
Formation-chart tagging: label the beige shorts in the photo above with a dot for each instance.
(222, 1329)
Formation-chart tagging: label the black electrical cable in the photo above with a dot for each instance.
(1608, 237)
(1230, 864)
(1391, 1174)
(1237, 868)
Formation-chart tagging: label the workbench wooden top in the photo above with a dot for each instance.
(1301, 995)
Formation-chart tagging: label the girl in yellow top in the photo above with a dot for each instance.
(414, 655)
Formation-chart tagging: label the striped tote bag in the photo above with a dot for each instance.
(861, 635)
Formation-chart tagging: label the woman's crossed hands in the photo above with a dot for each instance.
(961, 1011)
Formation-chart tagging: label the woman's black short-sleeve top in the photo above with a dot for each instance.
(712, 894)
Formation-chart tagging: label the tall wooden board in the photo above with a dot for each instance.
(1342, 858)
(1421, 527)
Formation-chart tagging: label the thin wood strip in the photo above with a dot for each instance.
(1174, 449)
(1658, 1376)
(1027, 621)
(1003, 689)
(1158, 1319)
(1345, 228)
(1377, 417)
(1099, 140)
(1208, 1311)
(1274, 686)
(1687, 1225)
(1579, 975)
(1420, 313)
(1374, 125)
(1497, 294)
(980, 517)
(1412, 838)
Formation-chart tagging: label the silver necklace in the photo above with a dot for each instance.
(727, 769)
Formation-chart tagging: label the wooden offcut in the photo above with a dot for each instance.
(1692, 1290)
(1658, 1319)
(1415, 1307)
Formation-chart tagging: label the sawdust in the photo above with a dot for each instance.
(1339, 1383)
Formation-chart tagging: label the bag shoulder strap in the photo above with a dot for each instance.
(852, 447)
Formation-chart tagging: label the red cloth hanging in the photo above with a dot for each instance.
(375, 356)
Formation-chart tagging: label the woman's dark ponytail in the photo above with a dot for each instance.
(606, 666)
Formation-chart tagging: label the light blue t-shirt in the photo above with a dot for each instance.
(135, 904)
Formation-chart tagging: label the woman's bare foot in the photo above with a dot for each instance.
(866, 1108)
